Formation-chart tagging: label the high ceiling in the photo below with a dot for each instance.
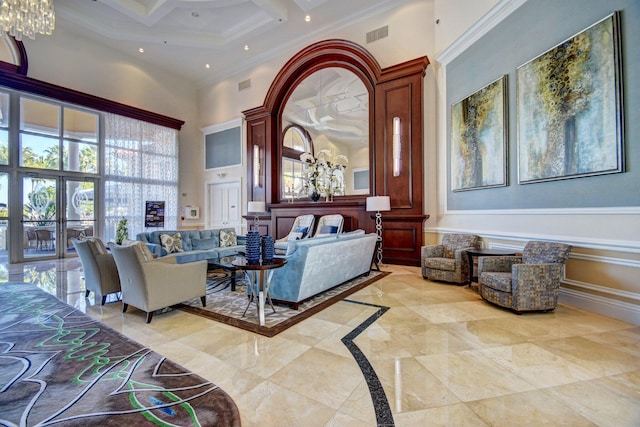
(183, 36)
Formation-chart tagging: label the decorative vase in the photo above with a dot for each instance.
(315, 196)
(252, 246)
(268, 250)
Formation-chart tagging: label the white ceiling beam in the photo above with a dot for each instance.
(145, 15)
(277, 9)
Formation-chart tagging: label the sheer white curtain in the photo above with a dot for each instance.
(141, 164)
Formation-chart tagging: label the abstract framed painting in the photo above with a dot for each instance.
(479, 138)
(569, 107)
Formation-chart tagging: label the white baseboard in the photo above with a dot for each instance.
(605, 306)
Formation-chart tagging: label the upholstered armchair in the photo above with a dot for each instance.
(329, 224)
(151, 284)
(529, 282)
(301, 229)
(99, 268)
(448, 261)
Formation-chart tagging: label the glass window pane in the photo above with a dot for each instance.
(4, 109)
(121, 162)
(80, 125)
(79, 157)
(4, 147)
(4, 132)
(39, 152)
(39, 117)
(4, 195)
(80, 205)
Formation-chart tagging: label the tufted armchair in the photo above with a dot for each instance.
(99, 268)
(448, 261)
(524, 283)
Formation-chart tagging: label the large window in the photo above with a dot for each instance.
(124, 161)
(48, 129)
(141, 164)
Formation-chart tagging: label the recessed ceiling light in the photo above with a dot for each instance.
(307, 18)
(141, 50)
(207, 65)
(246, 47)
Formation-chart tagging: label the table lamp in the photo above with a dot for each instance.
(378, 204)
(256, 207)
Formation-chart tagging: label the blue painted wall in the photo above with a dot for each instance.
(534, 28)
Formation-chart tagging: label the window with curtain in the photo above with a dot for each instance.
(141, 164)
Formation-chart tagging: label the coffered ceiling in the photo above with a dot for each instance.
(185, 35)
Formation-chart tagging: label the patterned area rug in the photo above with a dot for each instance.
(58, 366)
(228, 306)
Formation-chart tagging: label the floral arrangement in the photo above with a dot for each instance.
(320, 176)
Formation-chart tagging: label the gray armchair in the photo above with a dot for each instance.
(529, 282)
(448, 261)
(99, 268)
(151, 284)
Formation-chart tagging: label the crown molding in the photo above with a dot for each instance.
(485, 24)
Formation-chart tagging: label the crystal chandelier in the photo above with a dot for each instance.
(22, 18)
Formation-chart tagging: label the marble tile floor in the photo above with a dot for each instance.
(442, 355)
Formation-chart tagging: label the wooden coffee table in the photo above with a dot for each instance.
(484, 252)
(259, 278)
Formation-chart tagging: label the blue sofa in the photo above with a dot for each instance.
(196, 244)
(317, 264)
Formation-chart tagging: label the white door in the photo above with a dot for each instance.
(224, 204)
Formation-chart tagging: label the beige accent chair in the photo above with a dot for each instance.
(151, 284)
(334, 221)
(449, 261)
(302, 221)
(99, 268)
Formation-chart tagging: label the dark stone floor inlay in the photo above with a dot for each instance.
(384, 416)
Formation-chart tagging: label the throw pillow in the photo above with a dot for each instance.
(294, 236)
(328, 229)
(228, 238)
(203, 243)
(302, 230)
(171, 243)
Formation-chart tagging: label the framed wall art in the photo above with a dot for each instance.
(479, 139)
(569, 107)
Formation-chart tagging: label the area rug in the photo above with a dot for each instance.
(228, 306)
(59, 366)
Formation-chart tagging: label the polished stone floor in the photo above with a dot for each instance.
(442, 356)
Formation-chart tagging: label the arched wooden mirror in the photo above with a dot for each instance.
(326, 115)
(332, 97)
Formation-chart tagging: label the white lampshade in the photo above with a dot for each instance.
(257, 207)
(378, 204)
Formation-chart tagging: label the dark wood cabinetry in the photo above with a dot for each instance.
(395, 91)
